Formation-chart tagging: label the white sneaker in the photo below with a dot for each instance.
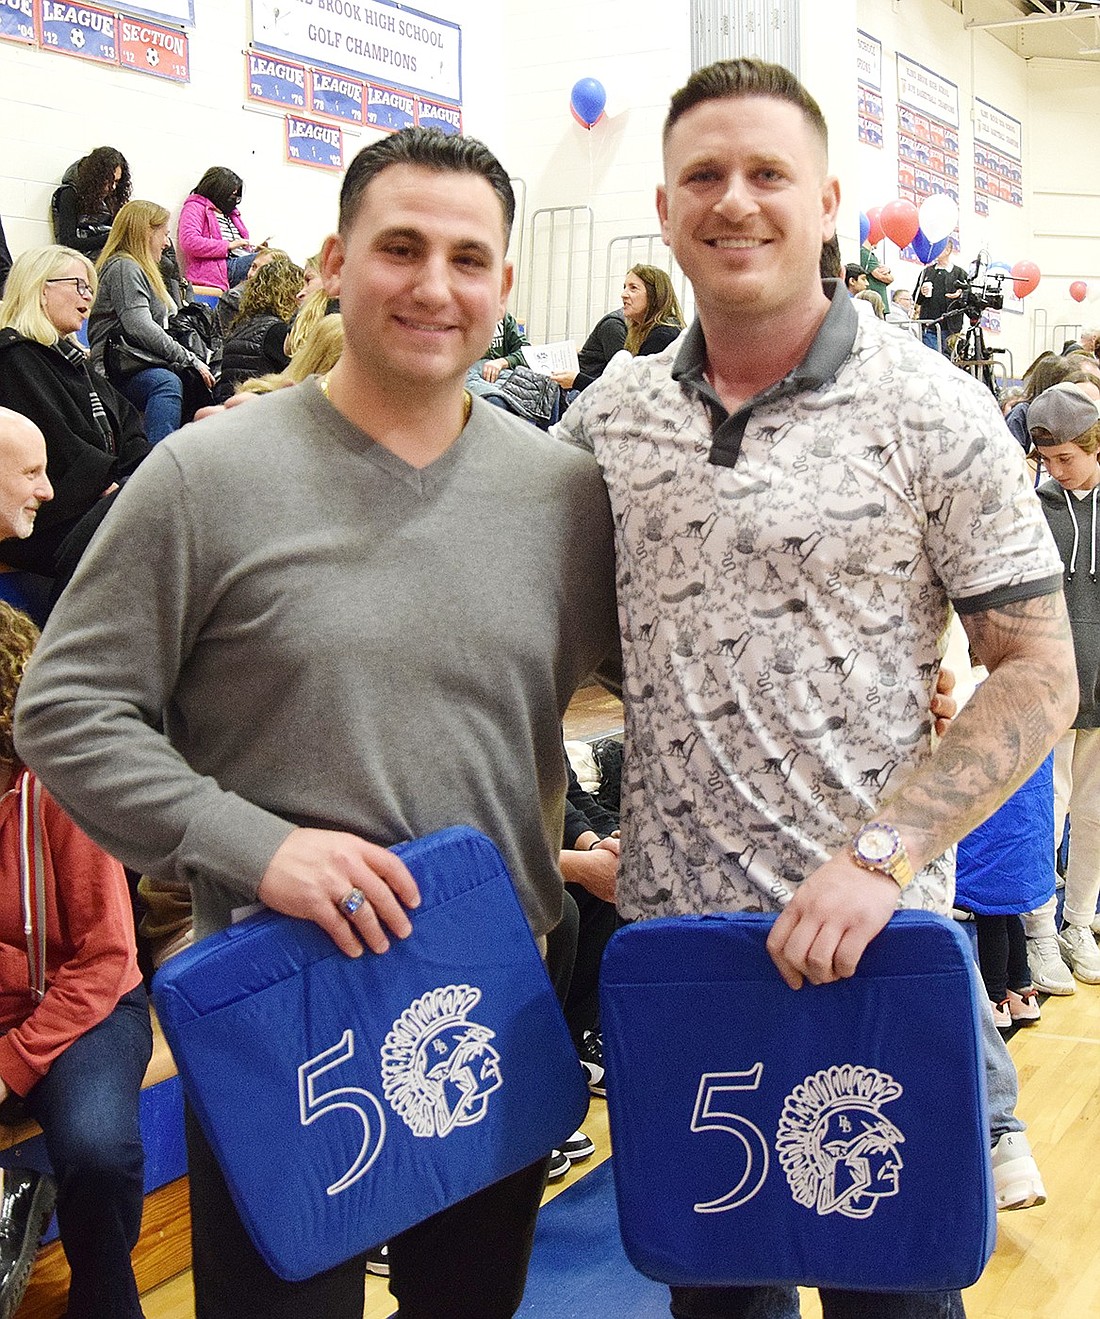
(1080, 953)
(1048, 971)
(1017, 1183)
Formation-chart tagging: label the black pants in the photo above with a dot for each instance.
(466, 1262)
(1002, 955)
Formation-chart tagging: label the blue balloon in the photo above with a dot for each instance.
(587, 100)
(937, 248)
(922, 248)
(864, 228)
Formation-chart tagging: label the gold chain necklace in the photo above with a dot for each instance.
(467, 397)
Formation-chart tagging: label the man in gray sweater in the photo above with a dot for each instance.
(351, 611)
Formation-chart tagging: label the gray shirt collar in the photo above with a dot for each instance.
(827, 354)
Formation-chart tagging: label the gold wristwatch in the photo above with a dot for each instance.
(878, 846)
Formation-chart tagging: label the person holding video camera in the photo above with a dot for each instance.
(940, 291)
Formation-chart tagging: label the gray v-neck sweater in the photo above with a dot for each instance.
(327, 636)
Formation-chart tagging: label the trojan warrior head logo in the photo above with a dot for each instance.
(839, 1153)
(438, 1069)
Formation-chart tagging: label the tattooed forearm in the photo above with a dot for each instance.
(1011, 722)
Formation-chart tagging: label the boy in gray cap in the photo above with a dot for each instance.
(1065, 426)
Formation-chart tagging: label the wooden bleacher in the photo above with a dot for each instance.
(164, 1248)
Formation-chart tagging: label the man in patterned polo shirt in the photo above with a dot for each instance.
(799, 497)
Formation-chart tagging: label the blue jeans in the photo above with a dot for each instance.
(158, 393)
(87, 1107)
(782, 1303)
(237, 266)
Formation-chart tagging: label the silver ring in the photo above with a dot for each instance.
(350, 903)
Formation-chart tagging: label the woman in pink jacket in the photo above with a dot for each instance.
(213, 240)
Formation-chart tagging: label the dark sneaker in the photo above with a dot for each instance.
(378, 1261)
(26, 1203)
(591, 1056)
(559, 1166)
(578, 1147)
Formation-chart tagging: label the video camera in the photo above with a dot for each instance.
(982, 292)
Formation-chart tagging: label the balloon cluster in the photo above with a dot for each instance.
(928, 229)
(587, 101)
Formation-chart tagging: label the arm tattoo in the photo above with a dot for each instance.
(1011, 722)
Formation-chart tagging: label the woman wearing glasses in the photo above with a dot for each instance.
(94, 437)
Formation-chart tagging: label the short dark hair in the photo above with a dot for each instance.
(852, 272)
(831, 265)
(745, 77)
(222, 187)
(430, 149)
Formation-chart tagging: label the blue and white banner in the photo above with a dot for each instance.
(17, 20)
(372, 39)
(336, 96)
(311, 143)
(274, 82)
(389, 109)
(85, 31)
(431, 114)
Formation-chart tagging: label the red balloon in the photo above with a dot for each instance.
(1025, 278)
(875, 235)
(899, 221)
(1078, 290)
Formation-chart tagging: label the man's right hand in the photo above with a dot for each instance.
(315, 869)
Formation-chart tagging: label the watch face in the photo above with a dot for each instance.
(876, 843)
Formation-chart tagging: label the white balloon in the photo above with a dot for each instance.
(938, 216)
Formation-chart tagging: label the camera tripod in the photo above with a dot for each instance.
(970, 354)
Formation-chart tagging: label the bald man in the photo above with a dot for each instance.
(24, 487)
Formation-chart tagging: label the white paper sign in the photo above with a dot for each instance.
(374, 40)
(548, 358)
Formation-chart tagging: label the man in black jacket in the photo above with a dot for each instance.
(939, 289)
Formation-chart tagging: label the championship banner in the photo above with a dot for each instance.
(274, 82)
(336, 96)
(389, 109)
(83, 31)
(320, 146)
(431, 114)
(17, 21)
(149, 48)
(370, 39)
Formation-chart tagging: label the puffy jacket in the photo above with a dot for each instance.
(253, 349)
(201, 243)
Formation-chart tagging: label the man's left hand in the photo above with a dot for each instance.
(821, 933)
(492, 368)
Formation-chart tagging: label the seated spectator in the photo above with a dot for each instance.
(94, 437)
(256, 338)
(230, 301)
(505, 351)
(651, 320)
(316, 357)
(872, 300)
(92, 193)
(314, 307)
(213, 239)
(76, 1031)
(900, 311)
(133, 305)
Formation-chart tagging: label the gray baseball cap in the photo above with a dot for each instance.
(1063, 411)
